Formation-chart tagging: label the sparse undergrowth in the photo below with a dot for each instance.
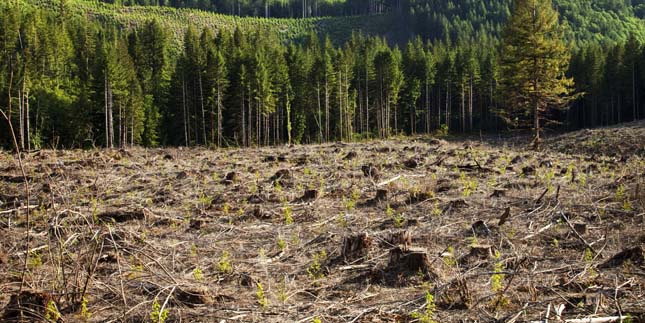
(467, 231)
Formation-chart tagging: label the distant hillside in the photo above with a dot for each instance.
(605, 22)
(176, 20)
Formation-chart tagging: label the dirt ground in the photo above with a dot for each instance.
(407, 230)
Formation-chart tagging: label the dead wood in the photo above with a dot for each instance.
(28, 306)
(633, 255)
(119, 216)
(356, 246)
(409, 262)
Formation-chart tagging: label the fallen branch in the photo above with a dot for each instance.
(564, 217)
(396, 178)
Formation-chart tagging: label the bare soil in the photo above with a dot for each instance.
(358, 232)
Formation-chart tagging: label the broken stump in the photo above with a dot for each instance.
(381, 195)
(356, 246)
(410, 261)
(310, 195)
(370, 171)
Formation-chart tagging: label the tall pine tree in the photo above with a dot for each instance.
(534, 60)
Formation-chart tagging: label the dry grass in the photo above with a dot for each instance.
(129, 229)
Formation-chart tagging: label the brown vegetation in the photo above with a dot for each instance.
(344, 233)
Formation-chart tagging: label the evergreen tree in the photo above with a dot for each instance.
(534, 60)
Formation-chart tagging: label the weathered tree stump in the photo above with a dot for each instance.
(119, 216)
(193, 296)
(370, 171)
(411, 163)
(480, 228)
(410, 261)
(398, 238)
(416, 197)
(231, 177)
(454, 295)
(281, 177)
(356, 246)
(310, 195)
(381, 195)
(350, 155)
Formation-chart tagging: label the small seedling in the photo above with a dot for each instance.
(51, 312)
(198, 274)
(449, 258)
(262, 299)
(427, 315)
(498, 277)
(156, 315)
(288, 218)
(224, 265)
(341, 219)
(85, 313)
(282, 244)
(315, 269)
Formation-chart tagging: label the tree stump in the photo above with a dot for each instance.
(350, 155)
(356, 246)
(410, 261)
(310, 195)
(370, 171)
(381, 195)
(398, 238)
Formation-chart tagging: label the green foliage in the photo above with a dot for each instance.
(157, 315)
(449, 258)
(224, 265)
(51, 312)
(190, 77)
(429, 310)
(263, 301)
(198, 274)
(85, 313)
(535, 59)
(288, 217)
(496, 280)
(315, 268)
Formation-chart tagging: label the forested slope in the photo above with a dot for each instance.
(605, 21)
(79, 73)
